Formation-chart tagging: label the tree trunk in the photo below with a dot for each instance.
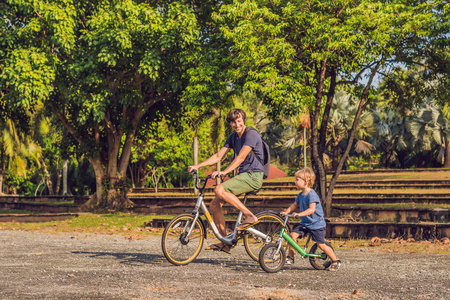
(447, 155)
(58, 178)
(111, 192)
(365, 100)
(2, 168)
(48, 179)
(143, 172)
(335, 158)
(318, 137)
(65, 177)
(195, 150)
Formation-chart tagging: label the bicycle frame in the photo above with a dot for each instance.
(302, 251)
(231, 239)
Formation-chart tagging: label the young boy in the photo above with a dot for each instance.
(311, 213)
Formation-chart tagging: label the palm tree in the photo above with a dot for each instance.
(340, 123)
(392, 135)
(15, 149)
(431, 129)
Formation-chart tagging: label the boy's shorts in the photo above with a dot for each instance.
(317, 235)
(244, 183)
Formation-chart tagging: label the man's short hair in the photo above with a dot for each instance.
(236, 113)
(307, 174)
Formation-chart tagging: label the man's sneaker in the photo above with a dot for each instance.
(289, 260)
(335, 264)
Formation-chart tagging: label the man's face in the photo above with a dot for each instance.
(238, 125)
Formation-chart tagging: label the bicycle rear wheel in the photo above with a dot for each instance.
(270, 224)
(271, 261)
(317, 262)
(178, 248)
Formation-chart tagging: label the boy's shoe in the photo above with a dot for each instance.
(335, 264)
(289, 260)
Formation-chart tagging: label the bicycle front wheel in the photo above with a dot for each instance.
(317, 262)
(271, 225)
(178, 246)
(271, 261)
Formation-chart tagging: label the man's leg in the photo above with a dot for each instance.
(233, 200)
(219, 219)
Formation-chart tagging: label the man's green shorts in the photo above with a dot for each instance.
(244, 183)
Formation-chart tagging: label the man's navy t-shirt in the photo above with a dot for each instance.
(250, 138)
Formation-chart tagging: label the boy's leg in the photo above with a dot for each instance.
(294, 236)
(328, 251)
(335, 262)
(319, 238)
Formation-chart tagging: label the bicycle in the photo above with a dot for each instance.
(184, 235)
(272, 256)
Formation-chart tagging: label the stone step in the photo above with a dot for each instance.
(284, 199)
(289, 186)
(39, 207)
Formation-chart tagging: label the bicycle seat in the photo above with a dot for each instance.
(252, 192)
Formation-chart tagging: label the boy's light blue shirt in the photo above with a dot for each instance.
(316, 219)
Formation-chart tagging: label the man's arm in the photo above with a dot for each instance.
(215, 158)
(238, 160)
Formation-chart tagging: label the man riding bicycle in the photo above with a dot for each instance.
(246, 144)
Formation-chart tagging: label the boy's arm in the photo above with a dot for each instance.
(290, 208)
(311, 209)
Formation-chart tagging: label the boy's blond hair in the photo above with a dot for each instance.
(306, 174)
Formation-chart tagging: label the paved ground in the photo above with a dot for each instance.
(80, 266)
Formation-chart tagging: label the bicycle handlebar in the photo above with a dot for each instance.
(289, 215)
(198, 180)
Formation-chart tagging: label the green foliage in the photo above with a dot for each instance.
(98, 66)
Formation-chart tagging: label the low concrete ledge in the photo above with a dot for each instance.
(366, 230)
(22, 218)
(393, 214)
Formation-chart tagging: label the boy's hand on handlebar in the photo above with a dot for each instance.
(296, 215)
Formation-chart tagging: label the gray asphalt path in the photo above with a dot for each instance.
(86, 266)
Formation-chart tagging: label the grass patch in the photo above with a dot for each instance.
(116, 223)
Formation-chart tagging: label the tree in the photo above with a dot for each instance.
(392, 136)
(431, 128)
(296, 54)
(99, 66)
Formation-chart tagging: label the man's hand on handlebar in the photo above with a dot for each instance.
(215, 174)
(192, 169)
